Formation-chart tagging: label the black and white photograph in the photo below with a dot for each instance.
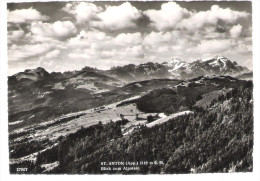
(130, 87)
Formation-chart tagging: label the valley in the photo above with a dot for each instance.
(52, 115)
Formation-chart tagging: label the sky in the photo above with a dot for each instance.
(63, 36)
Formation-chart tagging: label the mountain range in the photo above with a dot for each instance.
(185, 114)
(35, 89)
(175, 68)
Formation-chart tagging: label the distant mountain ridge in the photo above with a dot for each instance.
(218, 65)
(175, 68)
(32, 74)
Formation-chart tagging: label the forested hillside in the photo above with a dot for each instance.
(218, 138)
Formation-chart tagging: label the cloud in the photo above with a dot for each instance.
(82, 11)
(111, 18)
(15, 35)
(53, 54)
(58, 30)
(135, 51)
(198, 20)
(163, 49)
(235, 31)
(25, 52)
(98, 40)
(95, 46)
(213, 46)
(168, 16)
(106, 58)
(156, 39)
(117, 17)
(172, 16)
(123, 54)
(110, 36)
(25, 16)
(162, 46)
(125, 39)
(85, 39)
(211, 32)
(243, 46)
(93, 35)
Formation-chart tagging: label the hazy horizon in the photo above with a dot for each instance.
(109, 68)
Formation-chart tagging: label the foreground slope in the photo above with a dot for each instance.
(217, 137)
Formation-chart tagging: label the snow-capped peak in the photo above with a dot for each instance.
(220, 61)
(175, 64)
(175, 60)
(220, 57)
(217, 57)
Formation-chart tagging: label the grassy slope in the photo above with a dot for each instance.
(218, 139)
